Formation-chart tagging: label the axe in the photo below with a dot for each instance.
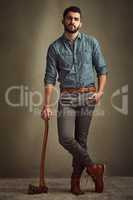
(42, 188)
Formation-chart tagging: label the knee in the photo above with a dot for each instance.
(83, 142)
(65, 141)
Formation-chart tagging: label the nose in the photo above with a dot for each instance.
(72, 20)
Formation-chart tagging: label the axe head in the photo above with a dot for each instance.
(37, 189)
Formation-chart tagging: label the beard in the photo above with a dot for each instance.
(69, 29)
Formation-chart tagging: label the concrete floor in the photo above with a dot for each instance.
(116, 188)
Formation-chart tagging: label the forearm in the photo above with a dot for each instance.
(48, 91)
(102, 82)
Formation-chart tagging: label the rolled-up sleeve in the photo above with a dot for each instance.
(98, 59)
(51, 67)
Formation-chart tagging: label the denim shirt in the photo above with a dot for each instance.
(74, 66)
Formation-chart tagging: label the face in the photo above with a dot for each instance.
(72, 22)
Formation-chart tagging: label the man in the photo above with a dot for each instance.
(74, 57)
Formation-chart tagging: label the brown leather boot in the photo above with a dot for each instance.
(75, 185)
(96, 171)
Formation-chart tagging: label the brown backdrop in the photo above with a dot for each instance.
(26, 30)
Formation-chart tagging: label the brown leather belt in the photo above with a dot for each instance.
(79, 90)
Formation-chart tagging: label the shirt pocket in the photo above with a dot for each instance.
(65, 61)
(65, 64)
(85, 56)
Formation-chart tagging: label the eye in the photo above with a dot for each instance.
(69, 18)
(76, 19)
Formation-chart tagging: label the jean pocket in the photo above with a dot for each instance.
(89, 100)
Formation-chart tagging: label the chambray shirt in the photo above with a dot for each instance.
(74, 65)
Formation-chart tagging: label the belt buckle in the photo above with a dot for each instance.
(82, 90)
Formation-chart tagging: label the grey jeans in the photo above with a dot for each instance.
(73, 121)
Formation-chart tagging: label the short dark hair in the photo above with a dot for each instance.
(71, 9)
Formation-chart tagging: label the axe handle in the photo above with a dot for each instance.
(43, 154)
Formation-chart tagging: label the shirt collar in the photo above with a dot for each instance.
(66, 39)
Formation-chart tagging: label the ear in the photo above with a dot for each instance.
(80, 25)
